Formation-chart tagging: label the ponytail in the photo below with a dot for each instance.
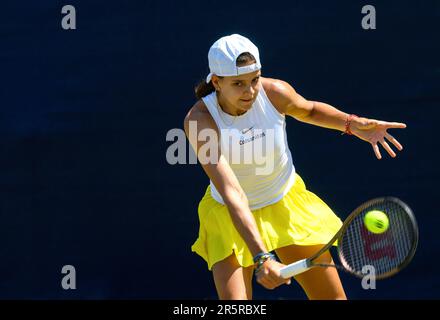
(203, 89)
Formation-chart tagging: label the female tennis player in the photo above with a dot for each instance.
(245, 216)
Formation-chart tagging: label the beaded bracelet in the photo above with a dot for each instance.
(347, 124)
(262, 257)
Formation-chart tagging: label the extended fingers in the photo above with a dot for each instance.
(387, 147)
(394, 141)
(376, 151)
(398, 125)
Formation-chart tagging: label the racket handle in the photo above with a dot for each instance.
(295, 268)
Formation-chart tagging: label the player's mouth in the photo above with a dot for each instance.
(246, 100)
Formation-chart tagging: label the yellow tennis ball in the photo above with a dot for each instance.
(376, 221)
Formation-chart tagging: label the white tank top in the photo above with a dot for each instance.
(255, 146)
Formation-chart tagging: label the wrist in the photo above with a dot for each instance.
(350, 124)
(261, 258)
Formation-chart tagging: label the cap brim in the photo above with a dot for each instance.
(208, 78)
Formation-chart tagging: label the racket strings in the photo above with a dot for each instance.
(385, 252)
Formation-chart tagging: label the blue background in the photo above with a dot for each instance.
(84, 114)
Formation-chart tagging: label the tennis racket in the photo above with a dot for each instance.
(388, 252)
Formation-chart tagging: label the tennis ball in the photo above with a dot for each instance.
(376, 221)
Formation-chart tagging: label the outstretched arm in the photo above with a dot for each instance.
(289, 102)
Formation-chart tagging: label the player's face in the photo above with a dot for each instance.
(240, 91)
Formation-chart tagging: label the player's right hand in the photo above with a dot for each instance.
(269, 275)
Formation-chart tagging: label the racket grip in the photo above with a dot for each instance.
(295, 268)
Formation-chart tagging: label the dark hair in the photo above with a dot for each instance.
(203, 88)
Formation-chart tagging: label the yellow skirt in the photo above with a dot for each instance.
(299, 218)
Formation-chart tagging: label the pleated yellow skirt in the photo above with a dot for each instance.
(299, 218)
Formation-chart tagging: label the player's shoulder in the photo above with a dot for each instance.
(200, 113)
(279, 92)
(276, 87)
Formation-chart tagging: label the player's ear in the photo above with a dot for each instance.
(215, 82)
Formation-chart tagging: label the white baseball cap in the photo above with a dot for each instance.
(223, 54)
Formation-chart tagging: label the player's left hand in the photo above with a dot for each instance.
(374, 132)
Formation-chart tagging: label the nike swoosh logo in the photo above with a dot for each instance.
(246, 130)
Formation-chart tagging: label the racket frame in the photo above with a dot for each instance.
(303, 265)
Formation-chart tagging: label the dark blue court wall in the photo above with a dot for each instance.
(84, 114)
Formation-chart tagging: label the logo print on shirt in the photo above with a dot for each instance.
(246, 130)
(258, 135)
